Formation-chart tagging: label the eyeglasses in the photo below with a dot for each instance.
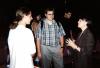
(50, 14)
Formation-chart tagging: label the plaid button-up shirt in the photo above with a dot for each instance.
(50, 34)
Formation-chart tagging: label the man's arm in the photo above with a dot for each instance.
(62, 44)
(38, 48)
(62, 41)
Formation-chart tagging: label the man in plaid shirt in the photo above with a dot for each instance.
(50, 41)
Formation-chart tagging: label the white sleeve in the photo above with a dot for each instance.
(10, 41)
(32, 47)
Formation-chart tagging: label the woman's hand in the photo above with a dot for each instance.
(72, 44)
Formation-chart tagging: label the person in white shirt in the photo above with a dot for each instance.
(21, 40)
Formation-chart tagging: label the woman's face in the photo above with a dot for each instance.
(28, 18)
(81, 23)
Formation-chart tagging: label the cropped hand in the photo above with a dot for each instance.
(70, 43)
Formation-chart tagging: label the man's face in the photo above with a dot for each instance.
(67, 15)
(50, 15)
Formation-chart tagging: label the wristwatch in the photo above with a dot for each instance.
(62, 47)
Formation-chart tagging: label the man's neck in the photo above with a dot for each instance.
(49, 21)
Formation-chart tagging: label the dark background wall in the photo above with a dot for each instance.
(78, 7)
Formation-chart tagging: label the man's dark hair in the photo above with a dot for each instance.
(49, 9)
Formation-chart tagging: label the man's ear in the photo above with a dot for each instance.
(45, 14)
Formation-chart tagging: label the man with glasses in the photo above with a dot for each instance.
(49, 38)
